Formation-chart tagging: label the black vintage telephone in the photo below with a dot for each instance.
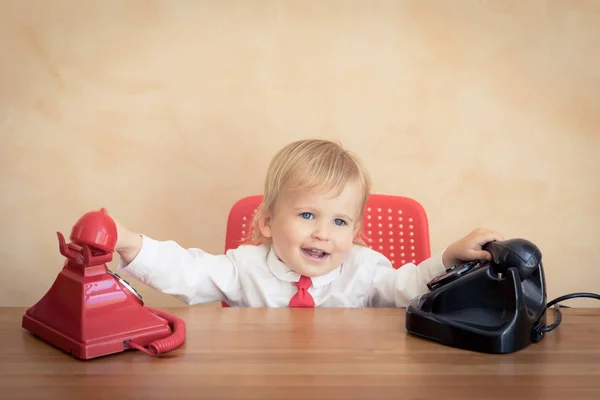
(492, 307)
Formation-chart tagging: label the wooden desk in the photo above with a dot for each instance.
(242, 353)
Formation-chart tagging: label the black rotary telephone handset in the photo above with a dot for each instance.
(496, 306)
(514, 253)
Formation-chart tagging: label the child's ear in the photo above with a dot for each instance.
(357, 228)
(358, 233)
(264, 224)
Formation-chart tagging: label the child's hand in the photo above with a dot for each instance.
(128, 243)
(469, 247)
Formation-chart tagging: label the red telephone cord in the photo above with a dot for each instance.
(169, 343)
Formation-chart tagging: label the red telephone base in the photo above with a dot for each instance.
(89, 313)
(101, 346)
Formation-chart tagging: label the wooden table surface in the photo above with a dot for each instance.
(244, 353)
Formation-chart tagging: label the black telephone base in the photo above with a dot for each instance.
(480, 311)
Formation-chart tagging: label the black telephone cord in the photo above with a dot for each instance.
(558, 306)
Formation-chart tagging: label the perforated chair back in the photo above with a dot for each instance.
(395, 226)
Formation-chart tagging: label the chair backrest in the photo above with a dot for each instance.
(395, 226)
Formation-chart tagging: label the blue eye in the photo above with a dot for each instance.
(339, 222)
(307, 215)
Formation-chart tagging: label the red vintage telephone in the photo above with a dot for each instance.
(90, 311)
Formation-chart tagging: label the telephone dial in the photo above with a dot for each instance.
(496, 306)
(89, 311)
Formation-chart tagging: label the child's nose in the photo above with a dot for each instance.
(321, 232)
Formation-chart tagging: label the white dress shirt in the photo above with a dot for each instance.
(253, 276)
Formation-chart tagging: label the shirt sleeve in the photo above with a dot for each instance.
(397, 287)
(191, 275)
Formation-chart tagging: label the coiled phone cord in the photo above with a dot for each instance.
(169, 343)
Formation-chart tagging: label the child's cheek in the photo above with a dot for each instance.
(296, 231)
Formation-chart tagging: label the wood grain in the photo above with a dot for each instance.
(244, 353)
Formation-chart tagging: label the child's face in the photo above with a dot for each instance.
(312, 233)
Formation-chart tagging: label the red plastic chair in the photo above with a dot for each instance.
(395, 226)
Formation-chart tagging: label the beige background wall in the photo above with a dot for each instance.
(487, 112)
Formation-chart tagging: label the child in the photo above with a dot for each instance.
(305, 249)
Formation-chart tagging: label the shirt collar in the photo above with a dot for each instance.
(284, 273)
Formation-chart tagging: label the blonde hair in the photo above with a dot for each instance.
(312, 164)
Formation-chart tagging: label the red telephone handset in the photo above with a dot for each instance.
(90, 311)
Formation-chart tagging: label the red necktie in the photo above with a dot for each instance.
(302, 298)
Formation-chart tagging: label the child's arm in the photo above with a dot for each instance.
(191, 275)
(397, 287)
(128, 244)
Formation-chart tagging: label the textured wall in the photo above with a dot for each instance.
(487, 112)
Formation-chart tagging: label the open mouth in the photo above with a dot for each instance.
(315, 253)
